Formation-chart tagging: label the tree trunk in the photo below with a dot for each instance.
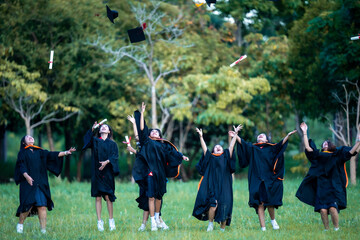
(299, 131)
(3, 143)
(353, 170)
(170, 129)
(238, 33)
(79, 166)
(153, 107)
(29, 130)
(67, 146)
(50, 137)
(39, 139)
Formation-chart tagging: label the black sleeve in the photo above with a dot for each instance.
(231, 160)
(314, 154)
(143, 134)
(203, 162)
(20, 168)
(244, 152)
(53, 163)
(88, 139)
(114, 158)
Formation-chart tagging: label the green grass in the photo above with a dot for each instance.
(74, 215)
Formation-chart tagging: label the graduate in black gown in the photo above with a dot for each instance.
(31, 173)
(324, 187)
(157, 160)
(143, 200)
(214, 200)
(104, 168)
(265, 174)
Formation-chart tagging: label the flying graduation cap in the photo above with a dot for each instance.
(209, 2)
(111, 14)
(137, 34)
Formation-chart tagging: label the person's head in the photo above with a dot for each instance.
(155, 133)
(104, 128)
(26, 140)
(217, 149)
(328, 146)
(262, 138)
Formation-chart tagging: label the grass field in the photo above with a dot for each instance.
(74, 215)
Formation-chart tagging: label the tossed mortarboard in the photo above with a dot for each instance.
(111, 14)
(210, 2)
(136, 34)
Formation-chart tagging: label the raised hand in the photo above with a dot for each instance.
(131, 118)
(199, 131)
(143, 107)
(185, 158)
(303, 127)
(92, 129)
(238, 128)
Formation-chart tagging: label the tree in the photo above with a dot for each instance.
(24, 95)
(158, 57)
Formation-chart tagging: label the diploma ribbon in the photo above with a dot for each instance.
(128, 141)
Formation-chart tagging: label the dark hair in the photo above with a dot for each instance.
(110, 136)
(22, 143)
(331, 146)
(160, 135)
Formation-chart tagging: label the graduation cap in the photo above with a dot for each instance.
(111, 14)
(210, 2)
(136, 34)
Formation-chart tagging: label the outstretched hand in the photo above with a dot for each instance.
(72, 149)
(103, 164)
(199, 131)
(185, 158)
(131, 118)
(238, 128)
(231, 133)
(292, 132)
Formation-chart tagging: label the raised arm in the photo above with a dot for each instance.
(287, 136)
(356, 146)
(143, 106)
(304, 129)
(234, 138)
(203, 144)
(132, 119)
(232, 134)
(68, 152)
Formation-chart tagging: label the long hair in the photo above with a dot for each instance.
(110, 136)
(331, 146)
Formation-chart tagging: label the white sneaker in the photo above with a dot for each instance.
(336, 229)
(210, 227)
(222, 229)
(263, 229)
(142, 228)
(100, 225)
(163, 225)
(275, 225)
(112, 224)
(19, 228)
(43, 230)
(153, 226)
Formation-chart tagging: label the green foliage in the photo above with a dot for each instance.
(303, 164)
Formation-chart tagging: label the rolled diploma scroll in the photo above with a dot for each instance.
(51, 59)
(239, 60)
(97, 125)
(128, 142)
(355, 38)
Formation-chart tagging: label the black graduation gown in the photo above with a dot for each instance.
(102, 182)
(327, 179)
(158, 156)
(215, 186)
(266, 171)
(36, 163)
